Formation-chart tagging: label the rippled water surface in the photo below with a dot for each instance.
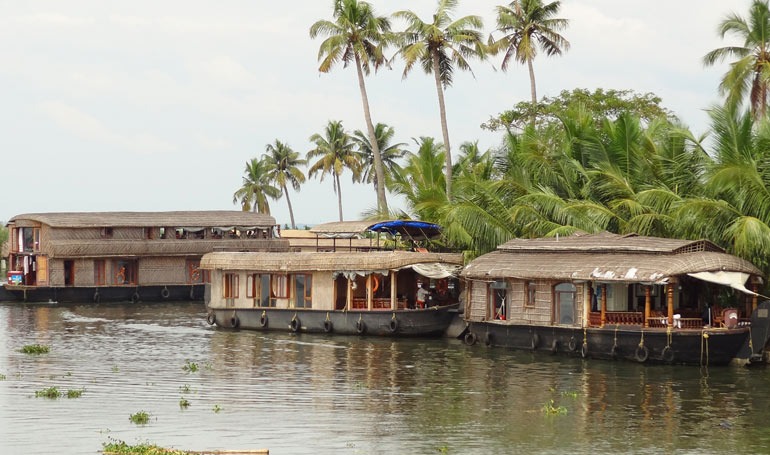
(313, 394)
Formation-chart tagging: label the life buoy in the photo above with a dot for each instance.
(195, 274)
(489, 339)
(211, 318)
(572, 344)
(393, 326)
(360, 327)
(165, 293)
(375, 283)
(295, 325)
(470, 338)
(263, 320)
(584, 350)
(135, 298)
(535, 341)
(328, 326)
(235, 322)
(555, 346)
(641, 353)
(667, 355)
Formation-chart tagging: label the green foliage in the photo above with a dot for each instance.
(140, 418)
(598, 105)
(3, 233)
(75, 393)
(35, 349)
(184, 403)
(190, 367)
(216, 409)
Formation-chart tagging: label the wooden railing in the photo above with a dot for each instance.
(637, 318)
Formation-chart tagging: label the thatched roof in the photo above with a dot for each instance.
(608, 242)
(341, 227)
(597, 263)
(324, 261)
(215, 218)
(165, 247)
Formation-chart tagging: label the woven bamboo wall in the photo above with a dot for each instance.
(478, 301)
(323, 291)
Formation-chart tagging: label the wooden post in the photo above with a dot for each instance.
(604, 305)
(369, 293)
(393, 289)
(670, 300)
(754, 299)
(647, 305)
(587, 305)
(349, 296)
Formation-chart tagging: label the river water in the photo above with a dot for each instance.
(315, 394)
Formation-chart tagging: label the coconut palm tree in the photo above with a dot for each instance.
(526, 26)
(357, 35)
(282, 164)
(421, 180)
(750, 72)
(335, 152)
(256, 188)
(390, 153)
(439, 47)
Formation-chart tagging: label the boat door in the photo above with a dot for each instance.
(69, 273)
(564, 303)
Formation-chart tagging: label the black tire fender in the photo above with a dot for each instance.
(360, 327)
(572, 344)
(393, 325)
(470, 338)
(135, 298)
(489, 339)
(295, 325)
(535, 341)
(211, 318)
(164, 293)
(328, 326)
(584, 350)
(235, 322)
(263, 320)
(555, 346)
(642, 353)
(667, 354)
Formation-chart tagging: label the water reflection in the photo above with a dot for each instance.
(321, 394)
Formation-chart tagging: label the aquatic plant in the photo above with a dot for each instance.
(50, 392)
(184, 403)
(190, 367)
(35, 349)
(140, 418)
(2, 377)
(216, 409)
(75, 393)
(550, 409)
(185, 388)
(570, 393)
(117, 447)
(115, 369)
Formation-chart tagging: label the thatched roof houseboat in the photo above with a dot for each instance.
(615, 296)
(124, 256)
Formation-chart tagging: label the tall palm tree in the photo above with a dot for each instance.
(282, 164)
(335, 152)
(526, 26)
(439, 46)
(390, 153)
(751, 71)
(256, 188)
(357, 35)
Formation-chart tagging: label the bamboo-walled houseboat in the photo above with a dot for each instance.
(365, 292)
(125, 256)
(612, 296)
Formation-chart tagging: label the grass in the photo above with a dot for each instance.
(35, 349)
(140, 418)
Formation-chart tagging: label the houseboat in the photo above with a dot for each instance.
(351, 292)
(611, 296)
(125, 256)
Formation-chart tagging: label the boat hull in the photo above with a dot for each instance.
(713, 346)
(429, 322)
(102, 294)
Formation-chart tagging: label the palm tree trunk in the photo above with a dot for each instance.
(291, 211)
(382, 203)
(339, 193)
(532, 89)
(444, 128)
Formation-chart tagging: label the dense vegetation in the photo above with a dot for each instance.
(608, 159)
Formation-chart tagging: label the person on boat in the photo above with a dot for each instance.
(422, 296)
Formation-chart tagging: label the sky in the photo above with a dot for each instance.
(156, 106)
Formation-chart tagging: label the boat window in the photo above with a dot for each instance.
(498, 307)
(564, 302)
(106, 232)
(258, 289)
(302, 291)
(100, 276)
(29, 240)
(230, 288)
(531, 292)
(124, 271)
(279, 286)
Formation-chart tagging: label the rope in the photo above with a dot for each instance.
(668, 336)
(641, 342)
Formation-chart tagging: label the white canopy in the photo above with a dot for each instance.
(735, 280)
